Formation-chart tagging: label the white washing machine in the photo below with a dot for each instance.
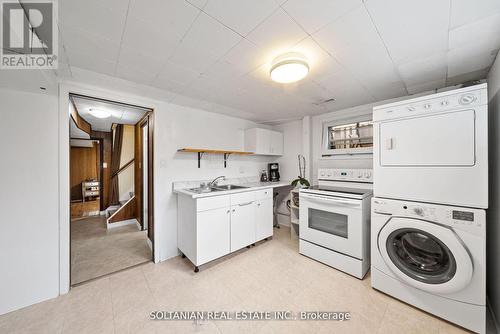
(433, 257)
(433, 148)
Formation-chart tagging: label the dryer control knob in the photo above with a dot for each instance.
(418, 211)
(467, 99)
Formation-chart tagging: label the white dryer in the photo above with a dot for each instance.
(433, 257)
(433, 148)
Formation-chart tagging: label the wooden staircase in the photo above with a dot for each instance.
(126, 211)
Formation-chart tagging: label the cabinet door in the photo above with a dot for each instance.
(213, 234)
(276, 143)
(263, 141)
(264, 219)
(242, 225)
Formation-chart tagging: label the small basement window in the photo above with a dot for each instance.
(352, 135)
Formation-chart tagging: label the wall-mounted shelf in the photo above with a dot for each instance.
(201, 151)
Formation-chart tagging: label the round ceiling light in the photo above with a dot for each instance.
(99, 113)
(289, 67)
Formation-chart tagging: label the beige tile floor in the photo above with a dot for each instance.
(271, 276)
(97, 251)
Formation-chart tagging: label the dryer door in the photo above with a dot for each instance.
(425, 255)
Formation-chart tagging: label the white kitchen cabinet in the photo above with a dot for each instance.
(213, 234)
(264, 219)
(276, 143)
(242, 225)
(263, 141)
(214, 226)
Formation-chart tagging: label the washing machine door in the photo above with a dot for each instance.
(425, 255)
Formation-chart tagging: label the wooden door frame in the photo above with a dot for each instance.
(147, 120)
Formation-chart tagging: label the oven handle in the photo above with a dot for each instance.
(328, 199)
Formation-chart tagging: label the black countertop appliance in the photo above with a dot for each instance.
(273, 172)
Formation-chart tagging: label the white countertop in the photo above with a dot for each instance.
(250, 186)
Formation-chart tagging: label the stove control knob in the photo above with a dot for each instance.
(418, 211)
(427, 106)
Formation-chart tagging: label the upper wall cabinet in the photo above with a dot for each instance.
(264, 141)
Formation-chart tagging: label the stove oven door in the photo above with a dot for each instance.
(332, 222)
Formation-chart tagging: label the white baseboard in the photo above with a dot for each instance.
(132, 221)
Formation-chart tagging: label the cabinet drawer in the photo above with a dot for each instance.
(263, 194)
(214, 202)
(242, 198)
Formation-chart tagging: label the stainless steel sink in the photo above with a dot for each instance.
(229, 187)
(204, 190)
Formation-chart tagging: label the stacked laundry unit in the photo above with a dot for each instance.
(430, 181)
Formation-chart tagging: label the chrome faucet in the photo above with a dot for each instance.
(216, 180)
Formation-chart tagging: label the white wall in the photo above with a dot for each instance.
(29, 237)
(288, 162)
(292, 137)
(493, 213)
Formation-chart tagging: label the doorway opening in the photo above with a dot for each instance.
(111, 181)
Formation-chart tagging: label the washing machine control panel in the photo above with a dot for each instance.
(471, 220)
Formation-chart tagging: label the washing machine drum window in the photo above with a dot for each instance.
(426, 255)
(421, 256)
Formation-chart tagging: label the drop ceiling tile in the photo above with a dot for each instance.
(164, 83)
(387, 90)
(321, 64)
(315, 14)
(98, 18)
(147, 39)
(482, 31)
(91, 61)
(222, 71)
(82, 42)
(467, 11)
(424, 70)
(309, 91)
(427, 86)
(137, 61)
(198, 3)
(276, 35)
(240, 15)
(466, 60)
(350, 39)
(245, 56)
(205, 43)
(172, 14)
(411, 29)
(176, 73)
(465, 77)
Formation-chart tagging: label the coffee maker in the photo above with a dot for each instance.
(273, 172)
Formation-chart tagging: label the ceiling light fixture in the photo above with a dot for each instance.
(289, 67)
(99, 113)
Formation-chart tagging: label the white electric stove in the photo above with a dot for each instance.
(335, 220)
